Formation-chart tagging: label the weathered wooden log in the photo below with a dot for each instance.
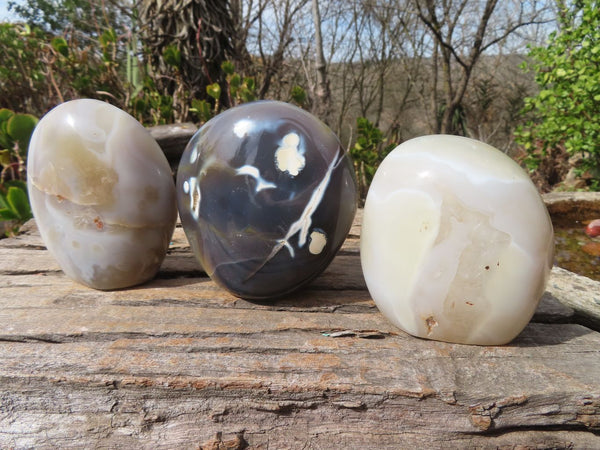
(172, 139)
(179, 362)
(573, 206)
(577, 292)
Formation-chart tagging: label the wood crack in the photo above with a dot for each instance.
(554, 428)
(183, 364)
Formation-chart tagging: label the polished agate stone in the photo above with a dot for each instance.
(102, 193)
(593, 228)
(266, 196)
(456, 243)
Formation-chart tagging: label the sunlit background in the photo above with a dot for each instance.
(6, 15)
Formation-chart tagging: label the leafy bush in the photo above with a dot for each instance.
(23, 72)
(368, 152)
(15, 133)
(14, 204)
(149, 106)
(566, 112)
(237, 90)
(39, 70)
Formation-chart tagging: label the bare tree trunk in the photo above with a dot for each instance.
(272, 54)
(242, 24)
(434, 89)
(462, 54)
(322, 105)
(201, 31)
(383, 66)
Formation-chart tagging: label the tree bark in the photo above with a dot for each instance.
(322, 104)
(442, 29)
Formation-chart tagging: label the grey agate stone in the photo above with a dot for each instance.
(266, 195)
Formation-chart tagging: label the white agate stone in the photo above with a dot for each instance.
(456, 242)
(102, 193)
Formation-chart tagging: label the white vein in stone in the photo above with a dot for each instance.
(195, 196)
(253, 172)
(302, 225)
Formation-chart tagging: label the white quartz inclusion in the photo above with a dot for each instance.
(289, 157)
(456, 243)
(253, 172)
(318, 240)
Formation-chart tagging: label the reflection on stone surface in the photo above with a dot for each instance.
(266, 196)
(593, 228)
(456, 243)
(102, 193)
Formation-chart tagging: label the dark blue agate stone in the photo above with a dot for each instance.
(266, 196)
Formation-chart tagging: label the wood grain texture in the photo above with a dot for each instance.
(173, 139)
(180, 363)
(579, 293)
(572, 207)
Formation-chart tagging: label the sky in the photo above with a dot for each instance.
(4, 14)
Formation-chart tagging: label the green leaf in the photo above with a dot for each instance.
(6, 142)
(3, 203)
(235, 81)
(247, 96)
(140, 105)
(60, 45)
(172, 56)
(19, 203)
(5, 114)
(202, 109)
(250, 83)
(214, 90)
(17, 183)
(20, 127)
(109, 36)
(227, 67)
(298, 95)
(6, 214)
(5, 157)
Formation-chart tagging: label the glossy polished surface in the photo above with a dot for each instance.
(593, 228)
(102, 193)
(266, 195)
(456, 243)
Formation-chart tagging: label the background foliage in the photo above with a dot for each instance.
(566, 111)
(15, 133)
(377, 73)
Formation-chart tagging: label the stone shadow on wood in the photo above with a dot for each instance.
(542, 335)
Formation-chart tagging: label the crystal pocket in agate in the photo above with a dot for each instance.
(102, 193)
(266, 196)
(456, 242)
